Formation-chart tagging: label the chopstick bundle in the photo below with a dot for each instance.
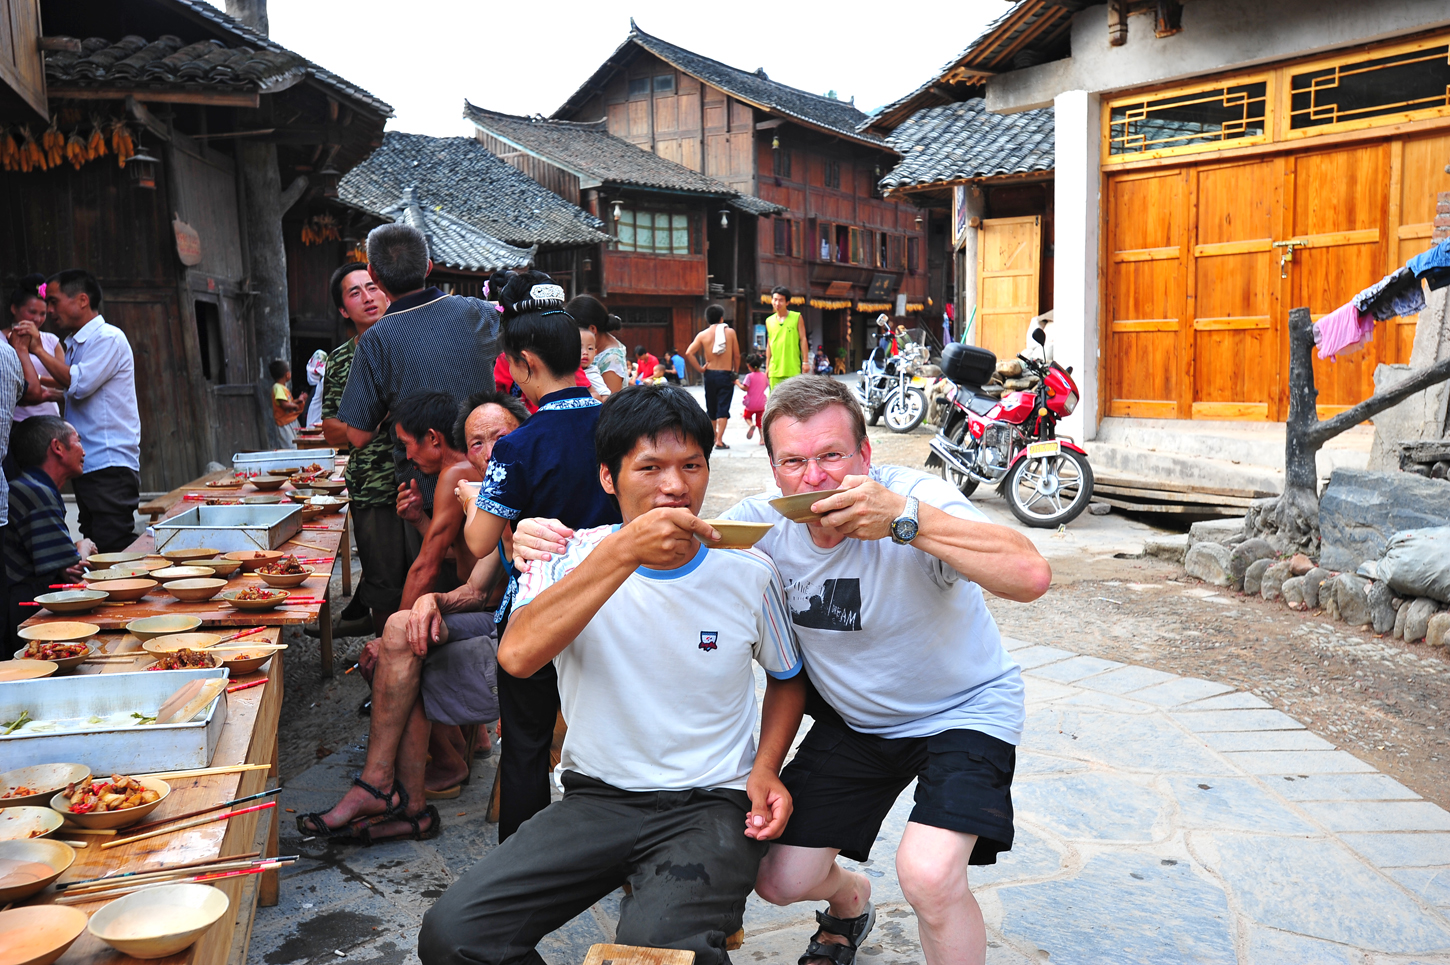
(189, 824)
(199, 811)
(208, 771)
(165, 869)
(77, 899)
(156, 877)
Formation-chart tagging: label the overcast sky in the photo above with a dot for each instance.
(425, 56)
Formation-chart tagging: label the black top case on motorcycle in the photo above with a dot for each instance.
(967, 365)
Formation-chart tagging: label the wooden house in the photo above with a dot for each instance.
(167, 234)
(655, 267)
(987, 179)
(1218, 164)
(844, 251)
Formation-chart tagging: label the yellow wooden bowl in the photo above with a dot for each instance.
(148, 627)
(797, 508)
(195, 591)
(38, 934)
(159, 921)
(108, 820)
(181, 573)
(189, 554)
(17, 881)
(220, 567)
(101, 561)
(181, 641)
(26, 669)
(47, 779)
(71, 601)
(736, 535)
(251, 559)
(25, 823)
(125, 591)
(60, 630)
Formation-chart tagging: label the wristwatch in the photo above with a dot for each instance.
(904, 527)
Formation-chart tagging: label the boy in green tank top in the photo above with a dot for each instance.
(787, 351)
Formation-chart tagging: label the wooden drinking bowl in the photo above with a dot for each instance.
(265, 499)
(47, 779)
(101, 561)
(125, 591)
(72, 601)
(148, 628)
(25, 823)
(197, 590)
(189, 554)
(251, 559)
(55, 855)
(38, 934)
(181, 573)
(221, 566)
(11, 670)
(110, 820)
(268, 484)
(736, 535)
(159, 921)
(797, 508)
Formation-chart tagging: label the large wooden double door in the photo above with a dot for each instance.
(1204, 262)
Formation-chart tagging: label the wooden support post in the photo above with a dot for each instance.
(324, 629)
(344, 547)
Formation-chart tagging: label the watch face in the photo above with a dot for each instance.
(905, 529)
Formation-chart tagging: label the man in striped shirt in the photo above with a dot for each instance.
(38, 547)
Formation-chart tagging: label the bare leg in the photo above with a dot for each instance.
(931, 864)
(448, 768)
(720, 425)
(411, 764)
(790, 874)
(395, 691)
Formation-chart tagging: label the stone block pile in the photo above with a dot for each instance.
(1407, 600)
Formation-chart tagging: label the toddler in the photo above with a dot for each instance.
(597, 388)
(754, 385)
(285, 409)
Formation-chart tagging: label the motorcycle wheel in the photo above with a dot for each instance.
(1050, 491)
(966, 484)
(905, 410)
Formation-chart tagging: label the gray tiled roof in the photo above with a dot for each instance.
(471, 184)
(590, 151)
(838, 116)
(454, 243)
(247, 62)
(757, 206)
(959, 142)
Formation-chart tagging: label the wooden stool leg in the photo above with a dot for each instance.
(344, 549)
(324, 626)
(492, 816)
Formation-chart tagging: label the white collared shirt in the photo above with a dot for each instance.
(101, 399)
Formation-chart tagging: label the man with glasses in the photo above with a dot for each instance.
(907, 676)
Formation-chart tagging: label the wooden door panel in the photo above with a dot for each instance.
(1146, 293)
(1339, 209)
(1008, 270)
(1421, 178)
(1235, 277)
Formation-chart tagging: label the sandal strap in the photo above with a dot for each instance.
(380, 795)
(848, 928)
(840, 954)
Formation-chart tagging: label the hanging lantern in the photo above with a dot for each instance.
(329, 176)
(143, 170)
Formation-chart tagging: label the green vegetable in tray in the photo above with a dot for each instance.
(13, 725)
(142, 718)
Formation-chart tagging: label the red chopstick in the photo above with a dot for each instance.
(244, 633)
(67, 586)
(254, 683)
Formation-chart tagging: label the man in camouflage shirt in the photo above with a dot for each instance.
(383, 540)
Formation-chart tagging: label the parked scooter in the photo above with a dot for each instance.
(885, 387)
(1012, 442)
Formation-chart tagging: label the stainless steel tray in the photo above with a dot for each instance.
(282, 459)
(107, 750)
(230, 528)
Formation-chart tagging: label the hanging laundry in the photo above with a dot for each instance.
(1407, 304)
(1377, 298)
(1432, 266)
(1343, 331)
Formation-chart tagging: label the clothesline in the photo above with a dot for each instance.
(1350, 327)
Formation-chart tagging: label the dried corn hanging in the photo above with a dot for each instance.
(121, 143)
(31, 155)
(75, 150)
(9, 152)
(96, 143)
(53, 143)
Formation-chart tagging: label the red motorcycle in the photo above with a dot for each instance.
(1012, 442)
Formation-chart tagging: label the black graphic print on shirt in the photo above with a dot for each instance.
(832, 605)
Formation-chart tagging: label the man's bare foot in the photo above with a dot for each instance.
(357, 803)
(427, 826)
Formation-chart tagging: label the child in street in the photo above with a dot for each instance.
(285, 409)
(753, 385)
(597, 388)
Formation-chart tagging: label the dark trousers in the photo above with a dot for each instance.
(106, 501)
(682, 852)
(528, 707)
(386, 547)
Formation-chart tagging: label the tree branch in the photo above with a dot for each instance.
(1353, 416)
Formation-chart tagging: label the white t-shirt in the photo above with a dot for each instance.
(22, 412)
(895, 639)
(658, 690)
(596, 381)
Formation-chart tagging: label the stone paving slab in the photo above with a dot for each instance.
(1160, 819)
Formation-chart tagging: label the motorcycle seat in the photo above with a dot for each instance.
(980, 404)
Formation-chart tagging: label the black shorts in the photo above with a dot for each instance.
(843, 784)
(719, 390)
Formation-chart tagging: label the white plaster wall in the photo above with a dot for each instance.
(1075, 270)
(1217, 35)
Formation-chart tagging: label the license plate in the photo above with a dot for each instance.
(1036, 450)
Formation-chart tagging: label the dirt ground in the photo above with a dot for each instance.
(1375, 697)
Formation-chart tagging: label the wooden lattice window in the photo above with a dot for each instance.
(1400, 83)
(661, 232)
(1187, 120)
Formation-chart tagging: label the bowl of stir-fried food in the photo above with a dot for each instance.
(64, 655)
(255, 598)
(244, 662)
(251, 559)
(285, 573)
(184, 660)
(34, 786)
(113, 802)
(24, 823)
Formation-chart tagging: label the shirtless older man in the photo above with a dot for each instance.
(433, 662)
(721, 349)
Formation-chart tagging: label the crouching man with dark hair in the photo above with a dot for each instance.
(652, 635)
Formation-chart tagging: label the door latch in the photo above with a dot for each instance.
(1288, 254)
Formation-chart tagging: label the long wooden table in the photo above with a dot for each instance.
(323, 536)
(249, 737)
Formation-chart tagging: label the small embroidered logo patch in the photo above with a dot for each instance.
(709, 641)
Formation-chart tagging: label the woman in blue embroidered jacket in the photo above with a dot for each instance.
(546, 468)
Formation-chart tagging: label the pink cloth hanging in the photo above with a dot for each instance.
(1343, 331)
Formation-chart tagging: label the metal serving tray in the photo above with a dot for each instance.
(114, 750)
(230, 528)
(282, 459)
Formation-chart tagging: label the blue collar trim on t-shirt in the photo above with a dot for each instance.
(678, 572)
(577, 397)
